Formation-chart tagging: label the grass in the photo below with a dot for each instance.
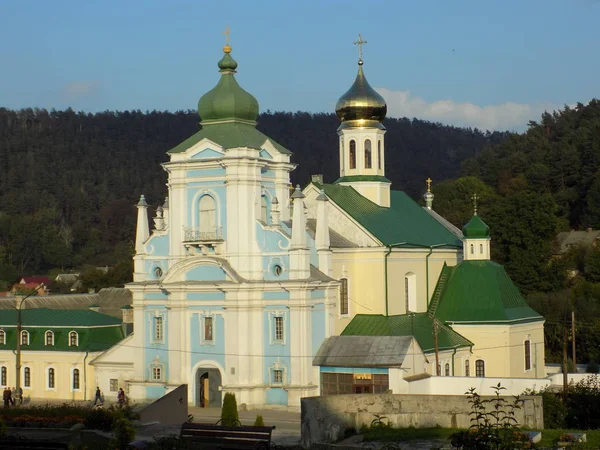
(389, 434)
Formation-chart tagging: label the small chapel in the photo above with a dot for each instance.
(249, 286)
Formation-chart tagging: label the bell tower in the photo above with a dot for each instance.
(361, 137)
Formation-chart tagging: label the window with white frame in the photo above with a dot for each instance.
(278, 328)
(26, 377)
(368, 157)
(158, 329)
(447, 370)
(3, 376)
(344, 296)
(157, 370)
(480, 368)
(278, 374)
(24, 337)
(73, 339)
(2, 337)
(51, 379)
(527, 345)
(49, 338)
(352, 154)
(208, 329)
(75, 379)
(208, 214)
(379, 155)
(113, 385)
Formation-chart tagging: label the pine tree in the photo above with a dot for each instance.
(229, 412)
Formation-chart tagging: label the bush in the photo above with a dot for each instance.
(229, 413)
(582, 404)
(592, 367)
(124, 433)
(259, 422)
(100, 419)
(555, 412)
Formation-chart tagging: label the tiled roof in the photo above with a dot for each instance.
(479, 291)
(419, 325)
(363, 351)
(403, 222)
(230, 135)
(37, 280)
(57, 318)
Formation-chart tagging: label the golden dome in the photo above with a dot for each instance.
(361, 105)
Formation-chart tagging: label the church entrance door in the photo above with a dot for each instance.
(208, 394)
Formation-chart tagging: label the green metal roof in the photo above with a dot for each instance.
(476, 228)
(479, 291)
(44, 317)
(355, 178)
(419, 325)
(403, 222)
(229, 135)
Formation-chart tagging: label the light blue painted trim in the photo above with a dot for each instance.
(205, 173)
(372, 370)
(206, 273)
(205, 295)
(207, 153)
(265, 154)
(277, 295)
(155, 296)
(268, 173)
(317, 293)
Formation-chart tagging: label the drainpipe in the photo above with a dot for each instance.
(386, 278)
(454, 353)
(85, 377)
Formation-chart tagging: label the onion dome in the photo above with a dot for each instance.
(476, 229)
(361, 105)
(227, 101)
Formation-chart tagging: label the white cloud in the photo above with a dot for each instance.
(77, 89)
(506, 116)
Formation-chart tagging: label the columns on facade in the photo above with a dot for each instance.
(322, 235)
(299, 252)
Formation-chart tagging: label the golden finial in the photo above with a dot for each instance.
(475, 198)
(227, 48)
(428, 181)
(360, 44)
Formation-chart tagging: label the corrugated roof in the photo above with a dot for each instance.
(363, 351)
(449, 226)
(230, 135)
(403, 222)
(479, 291)
(419, 325)
(57, 318)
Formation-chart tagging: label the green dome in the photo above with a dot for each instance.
(227, 100)
(476, 228)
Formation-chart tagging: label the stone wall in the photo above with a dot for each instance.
(171, 408)
(328, 419)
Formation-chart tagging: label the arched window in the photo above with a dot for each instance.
(49, 338)
(410, 292)
(481, 248)
(24, 337)
(51, 378)
(447, 369)
(75, 379)
(73, 339)
(527, 354)
(344, 296)
(472, 249)
(3, 380)
(264, 211)
(379, 155)
(2, 337)
(26, 377)
(208, 215)
(368, 154)
(352, 154)
(480, 368)
(467, 368)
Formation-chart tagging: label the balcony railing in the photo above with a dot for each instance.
(193, 234)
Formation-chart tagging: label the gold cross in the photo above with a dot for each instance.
(360, 44)
(226, 33)
(475, 198)
(428, 181)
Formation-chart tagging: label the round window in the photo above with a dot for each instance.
(158, 272)
(277, 270)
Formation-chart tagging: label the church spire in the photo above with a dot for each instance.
(428, 196)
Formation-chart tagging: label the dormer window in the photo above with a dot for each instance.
(73, 339)
(24, 337)
(49, 338)
(2, 337)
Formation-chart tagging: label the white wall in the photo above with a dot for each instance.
(483, 386)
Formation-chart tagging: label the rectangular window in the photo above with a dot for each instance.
(27, 377)
(467, 368)
(480, 368)
(75, 378)
(344, 296)
(158, 329)
(208, 328)
(278, 328)
(3, 376)
(114, 385)
(156, 373)
(51, 378)
(278, 376)
(527, 355)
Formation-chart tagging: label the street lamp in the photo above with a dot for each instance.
(19, 305)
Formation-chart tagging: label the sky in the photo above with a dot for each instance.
(493, 64)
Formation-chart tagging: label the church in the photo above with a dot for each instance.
(247, 285)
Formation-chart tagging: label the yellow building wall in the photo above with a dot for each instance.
(63, 364)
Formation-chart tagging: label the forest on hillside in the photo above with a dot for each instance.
(69, 182)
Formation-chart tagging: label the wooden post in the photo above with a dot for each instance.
(564, 362)
(435, 343)
(573, 337)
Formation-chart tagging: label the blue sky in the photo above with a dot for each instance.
(490, 64)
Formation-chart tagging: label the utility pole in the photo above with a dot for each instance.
(564, 361)
(573, 337)
(435, 344)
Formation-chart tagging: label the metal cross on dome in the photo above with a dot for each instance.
(226, 33)
(360, 44)
(475, 198)
(428, 181)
